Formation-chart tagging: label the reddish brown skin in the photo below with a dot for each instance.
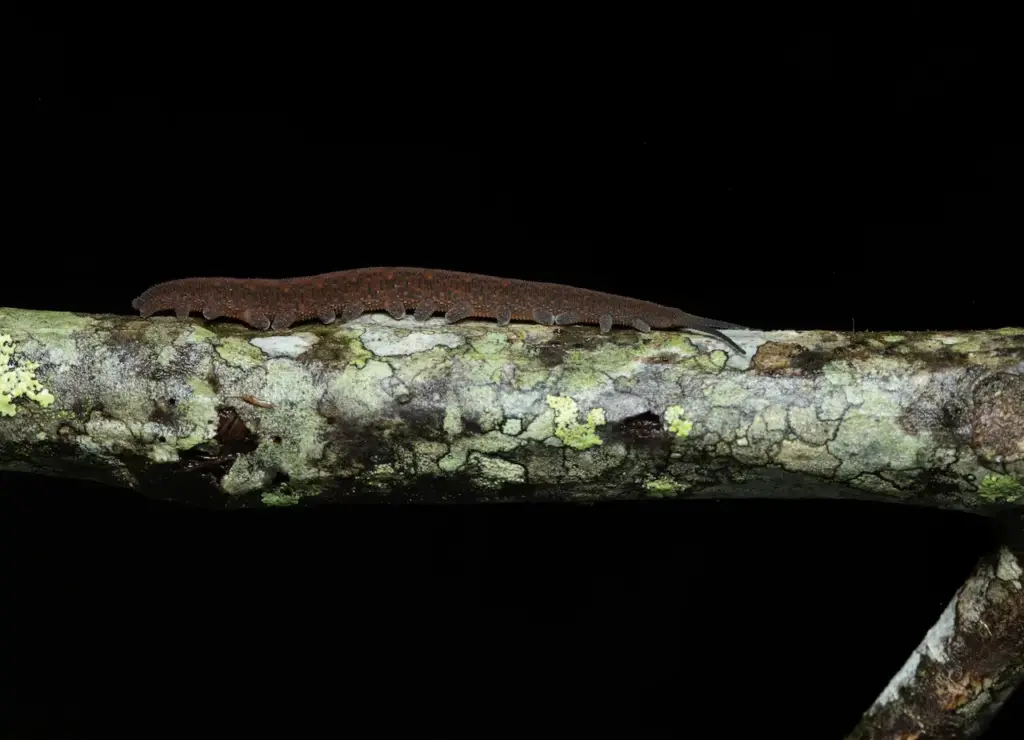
(263, 304)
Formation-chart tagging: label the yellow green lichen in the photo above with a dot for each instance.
(797, 455)
(1001, 488)
(358, 354)
(678, 424)
(663, 487)
(715, 359)
(569, 430)
(18, 379)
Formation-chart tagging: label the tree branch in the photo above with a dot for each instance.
(220, 415)
(965, 668)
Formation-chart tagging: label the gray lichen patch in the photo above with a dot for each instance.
(292, 434)
(246, 475)
(494, 472)
(388, 342)
(291, 345)
(512, 427)
(594, 462)
(480, 405)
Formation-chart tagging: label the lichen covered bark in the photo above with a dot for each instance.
(378, 409)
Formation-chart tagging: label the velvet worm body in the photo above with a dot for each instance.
(277, 304)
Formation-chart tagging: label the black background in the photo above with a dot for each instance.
(791, 175)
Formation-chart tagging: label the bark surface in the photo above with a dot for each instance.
(220, 415)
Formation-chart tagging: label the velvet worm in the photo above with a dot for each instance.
(277, 304)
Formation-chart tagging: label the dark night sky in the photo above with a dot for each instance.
(788, 178)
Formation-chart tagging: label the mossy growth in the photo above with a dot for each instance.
(1001, 488)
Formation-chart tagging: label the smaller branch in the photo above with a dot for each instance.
(965, 668)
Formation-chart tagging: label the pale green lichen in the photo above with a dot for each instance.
(360, 389)
(869, 438)
(598, 364)
(799, 456)
(452, 423)
(583, 379)
(542, 426)
(677, 342)
(832, 406)
(239, 353)
(43, 323)
(808, 427)
(492, 343)
(569, 429)
(1001, 488)
(512, 427)
(678, 424)
(727, 393)
(280, 499)
(527, 378)
(199, 411)
(423, 367)
(18, 379)
(426, 454)
(487, 443)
